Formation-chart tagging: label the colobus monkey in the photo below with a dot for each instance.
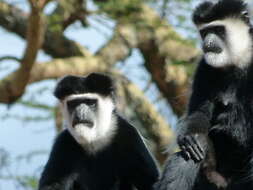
(216, 135)
(99, 150)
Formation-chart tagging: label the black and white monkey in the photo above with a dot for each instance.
(99, 150)
(216, 135)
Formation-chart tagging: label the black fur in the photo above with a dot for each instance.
(123, 164)
(93, 83)
(220, 110)
(209, 11)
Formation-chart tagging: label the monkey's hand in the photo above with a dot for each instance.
(194, 146)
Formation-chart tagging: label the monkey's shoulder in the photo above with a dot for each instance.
(126, 131)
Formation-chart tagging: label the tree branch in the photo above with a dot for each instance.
(160, 46)
(9, 57)
(68, 12)
(55, 44)
(13, 86)
(121, 43)
(60, 67)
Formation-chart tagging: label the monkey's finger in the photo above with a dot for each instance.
(193, 151)
(197, 148)
(186, 154)
(193, 154)
(186, 146)
(200, 148)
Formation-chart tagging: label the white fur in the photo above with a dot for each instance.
(239, 50)
(218, 59)
(100, 135)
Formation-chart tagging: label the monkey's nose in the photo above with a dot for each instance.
(212, 44)
(211, 48)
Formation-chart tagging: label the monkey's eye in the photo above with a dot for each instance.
(73, 103)
(245, 13)
(245, 16)
(90, 101)
(218, 30)
(203, 32)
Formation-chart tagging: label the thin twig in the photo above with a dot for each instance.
(9, 57)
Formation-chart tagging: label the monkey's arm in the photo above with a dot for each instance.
(59, 171)
(145, 169)
(141, 169)
(194, 127)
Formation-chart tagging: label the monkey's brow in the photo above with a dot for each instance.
(210, 27)
(87, 100)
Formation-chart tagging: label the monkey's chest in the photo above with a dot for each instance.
(231, 157)
(231, 117)
(98, 173)
(230, 136)
(230, 133)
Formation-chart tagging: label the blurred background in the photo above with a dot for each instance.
(150, 48)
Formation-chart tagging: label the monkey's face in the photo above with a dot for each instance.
(83, 111)
(88, 116)
(227, 42)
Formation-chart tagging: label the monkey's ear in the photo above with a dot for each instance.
(100, 83)
(68, 85)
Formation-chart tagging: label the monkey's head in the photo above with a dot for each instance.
(226, 32)
(88, 104)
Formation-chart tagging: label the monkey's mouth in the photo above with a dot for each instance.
(86, 123)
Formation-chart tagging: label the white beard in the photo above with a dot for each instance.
(218, 60)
